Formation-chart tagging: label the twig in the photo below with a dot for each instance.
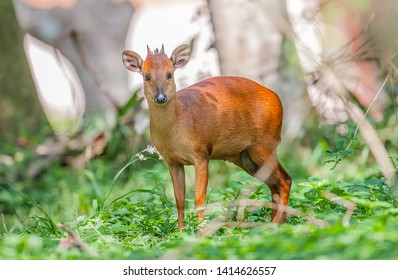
(370, 137)
(220, 222)
(91, 70)
(343, 202)
(73, 241)
(367, 110)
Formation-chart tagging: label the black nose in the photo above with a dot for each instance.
(160, 98)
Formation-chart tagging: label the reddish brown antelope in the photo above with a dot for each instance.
(225, 118)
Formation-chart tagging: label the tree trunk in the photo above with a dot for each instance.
(19, 106)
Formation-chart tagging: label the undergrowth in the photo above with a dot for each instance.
(124, 208)
(129, 213)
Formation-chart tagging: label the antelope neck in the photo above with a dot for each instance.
(163, 116)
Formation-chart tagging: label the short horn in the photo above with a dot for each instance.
(162, 49)
(148, 49)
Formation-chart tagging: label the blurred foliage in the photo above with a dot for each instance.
(21, 113)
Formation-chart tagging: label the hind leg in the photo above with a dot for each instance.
(279, 183)
(278, 180)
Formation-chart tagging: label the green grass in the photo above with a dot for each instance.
(126, 210)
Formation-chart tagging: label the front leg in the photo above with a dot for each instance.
(177, 173)
(201, 174)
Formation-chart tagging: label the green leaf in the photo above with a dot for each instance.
(129, 104)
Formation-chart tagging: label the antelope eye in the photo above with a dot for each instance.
(169, 75)
(147, 77)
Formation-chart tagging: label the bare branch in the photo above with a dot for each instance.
(343, 202)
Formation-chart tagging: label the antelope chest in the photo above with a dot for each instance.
(174, 148)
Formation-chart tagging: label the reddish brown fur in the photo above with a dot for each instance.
(227, 118)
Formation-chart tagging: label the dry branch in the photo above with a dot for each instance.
(241, 204)
(343, 202)
(73, 241)
(91, 70)
(370, 137)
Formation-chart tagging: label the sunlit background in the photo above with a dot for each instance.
(326, 56)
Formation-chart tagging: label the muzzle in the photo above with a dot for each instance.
(160, 98)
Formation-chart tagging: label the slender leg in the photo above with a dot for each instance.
(272, 173)
(279, 183)
(201, 174)
(178, 178)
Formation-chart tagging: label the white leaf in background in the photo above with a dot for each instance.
(58, 85)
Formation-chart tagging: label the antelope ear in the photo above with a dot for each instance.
(180, 56)
(132, 61)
